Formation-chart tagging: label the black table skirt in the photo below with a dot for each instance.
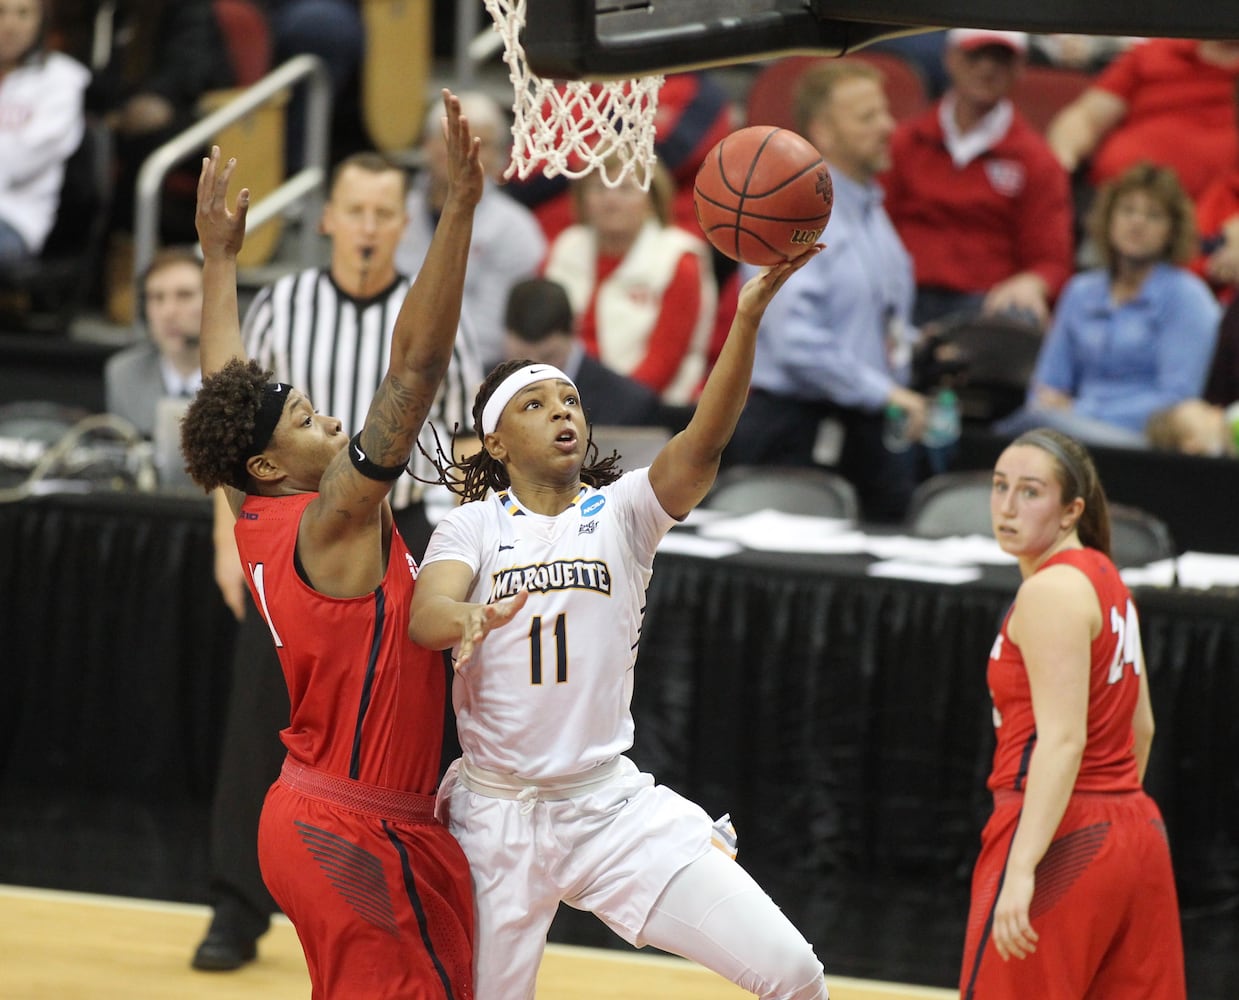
(841, 719)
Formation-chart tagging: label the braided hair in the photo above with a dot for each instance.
(218, 428)
(473, 477)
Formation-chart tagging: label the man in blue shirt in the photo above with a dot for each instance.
(834, 349)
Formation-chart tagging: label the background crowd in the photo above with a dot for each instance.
(1082, 190)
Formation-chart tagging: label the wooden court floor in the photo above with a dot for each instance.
(70, 946)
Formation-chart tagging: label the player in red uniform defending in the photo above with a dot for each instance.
(1073, 894)
(377, 889)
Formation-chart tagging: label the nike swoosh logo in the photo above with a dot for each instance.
(535, 371)
(361, 455)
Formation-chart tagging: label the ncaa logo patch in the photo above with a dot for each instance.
(591, 506)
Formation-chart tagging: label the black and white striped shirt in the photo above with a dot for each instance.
(336, 349)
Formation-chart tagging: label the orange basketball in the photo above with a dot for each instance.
(763, 195)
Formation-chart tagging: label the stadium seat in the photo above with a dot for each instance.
(990, 358)
(743, 489)
(1042, 91)
(957, 503)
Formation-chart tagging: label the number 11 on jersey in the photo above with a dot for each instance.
(561, 649)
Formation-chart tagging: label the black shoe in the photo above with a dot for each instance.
(220, 952)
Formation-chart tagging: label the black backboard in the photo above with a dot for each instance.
(601, 39)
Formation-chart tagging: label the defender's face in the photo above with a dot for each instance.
(305, 442)
(1026, 506)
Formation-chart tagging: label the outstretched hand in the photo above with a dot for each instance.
(220, 231)
(464, 149)
(760, 289)
(483, 618)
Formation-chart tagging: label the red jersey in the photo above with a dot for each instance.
(1109, 762)
(968, 228)
(367, 703)
(1180, 113)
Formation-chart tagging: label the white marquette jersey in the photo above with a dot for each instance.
(548, 694)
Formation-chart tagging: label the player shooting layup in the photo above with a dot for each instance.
(540, 587)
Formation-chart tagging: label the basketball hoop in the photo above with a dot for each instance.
(573, 127)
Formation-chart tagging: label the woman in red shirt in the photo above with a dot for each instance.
(1073, 894)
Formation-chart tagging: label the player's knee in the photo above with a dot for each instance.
(798, 974)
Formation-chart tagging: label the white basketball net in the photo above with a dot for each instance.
(572, 127)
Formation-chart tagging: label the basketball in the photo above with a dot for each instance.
(763, 195)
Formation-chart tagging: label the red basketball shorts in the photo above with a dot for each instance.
(1105, 907)
(383, 907)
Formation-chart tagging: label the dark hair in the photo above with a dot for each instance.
(1077, 477)
(1162, 185)
(218, 429)
(371, 163)
(537, 308)
(473, 477)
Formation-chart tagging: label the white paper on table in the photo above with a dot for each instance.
(931, 573)
(1208, 569)
(958, 550)
(1156, 574)
(775, 531)
(687, 544)
(702, 515)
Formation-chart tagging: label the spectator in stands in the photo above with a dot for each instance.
(330, 29)
(642, 287)
(975, 193)
(540, 328)
(1217, 222)
(167, 363)
(1133, 336)
(834, 348)
(41, 124)
(1167, 100)
(508, 244)
(1194, 427)
(152, 60)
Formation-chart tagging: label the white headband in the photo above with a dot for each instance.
(513, 384)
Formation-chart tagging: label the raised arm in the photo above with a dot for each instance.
(430, 315)
(221, 231)
(685, 469)
(422, 342)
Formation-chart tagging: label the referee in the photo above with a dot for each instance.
(329, 332)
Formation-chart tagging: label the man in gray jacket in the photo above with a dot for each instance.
(166, 363)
